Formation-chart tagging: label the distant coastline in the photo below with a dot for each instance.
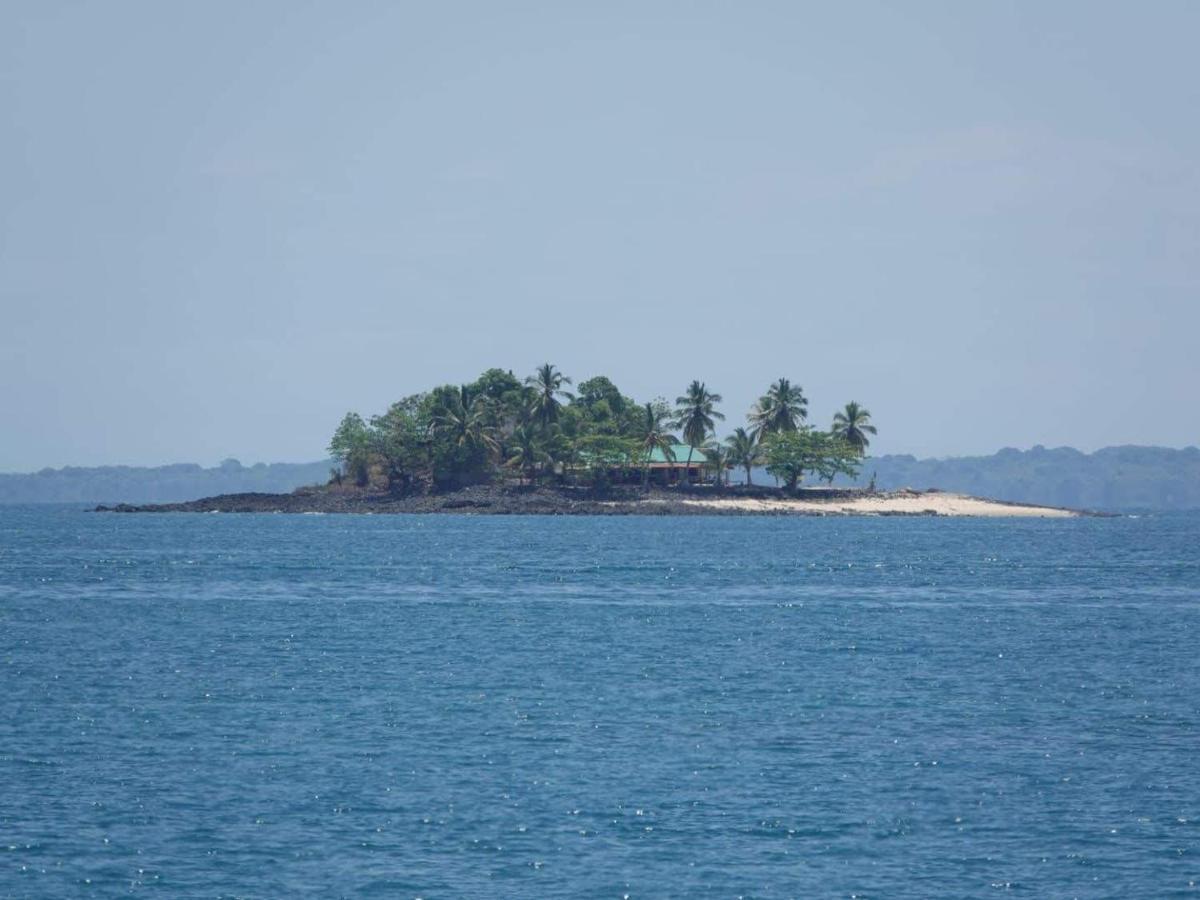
(156, 484)
(1115, 479)
(528, 500)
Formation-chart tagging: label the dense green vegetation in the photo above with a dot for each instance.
(539, 430)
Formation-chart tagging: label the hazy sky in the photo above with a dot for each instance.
(224, 224)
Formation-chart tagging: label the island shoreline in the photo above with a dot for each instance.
(527, 500)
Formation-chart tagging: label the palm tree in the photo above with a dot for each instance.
(716, 457)
(782, 408)
(527, 453)
(655, 437)
(547, 383)
(744, 451)
(852, 425)
(466, 426)
(694, 414)
(560, 449)
(466, 396)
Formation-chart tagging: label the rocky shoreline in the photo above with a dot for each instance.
(525, 500)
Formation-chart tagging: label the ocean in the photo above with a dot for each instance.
(459, 707)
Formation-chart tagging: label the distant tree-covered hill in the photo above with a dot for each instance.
(1115, 478)
(160, 484)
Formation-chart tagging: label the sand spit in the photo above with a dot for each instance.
(904, 503)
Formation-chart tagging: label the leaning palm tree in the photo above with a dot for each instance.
(744, 451)
(717, 458)
(694, 415)
(782, 408)
(852, 425)
(547, 383)
(654, 437)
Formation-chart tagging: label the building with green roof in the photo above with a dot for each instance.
(665, 468)
(674, 468)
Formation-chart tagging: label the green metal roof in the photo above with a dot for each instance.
(681, 455)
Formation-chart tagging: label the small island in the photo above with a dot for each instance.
(503, 446)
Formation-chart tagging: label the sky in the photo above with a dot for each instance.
(224, 224)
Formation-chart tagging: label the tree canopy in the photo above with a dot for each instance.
(502, 426)
(852, 425)
(782, 408)
(793, 454)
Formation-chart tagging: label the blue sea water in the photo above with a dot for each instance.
(270, 706)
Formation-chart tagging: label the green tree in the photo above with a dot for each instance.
(496, 384)
(603, 453)
(599, 418)
(559, 447)
(601, 388)
(527, 453)
(694, 415)
(716, 459)
(466, 426)
(744, 451)
(782, 408)
(351, 446)
(790, 454)
(463, 437)
(399, 439)
(547, 383)
(836, 457)
(605, 409)
(653, 435)
(506, 397)
(852, 425)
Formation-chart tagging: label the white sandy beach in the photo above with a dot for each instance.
(891, 503)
